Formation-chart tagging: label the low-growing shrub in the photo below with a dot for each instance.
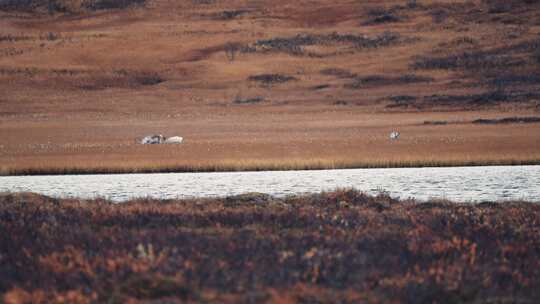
(66, 6)
(270, 79)
(253, 100)
(294, 45)
(487, 98)
(435, 122)
(228, 15)
(381, 16)
(342, 245)
(320, 87)
(337, 72)
(469, 61)
(379, 80)
(508, 120)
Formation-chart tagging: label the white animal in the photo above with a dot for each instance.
(394, 135)
(174, 140)
(153, 139)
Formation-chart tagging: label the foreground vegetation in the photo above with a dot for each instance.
(342, 246)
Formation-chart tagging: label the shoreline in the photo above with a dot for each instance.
(265, 166)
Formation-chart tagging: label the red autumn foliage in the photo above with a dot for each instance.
(342, 246)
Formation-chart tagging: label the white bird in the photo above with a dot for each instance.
(394, 135)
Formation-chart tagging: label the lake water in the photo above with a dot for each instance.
(463, 184)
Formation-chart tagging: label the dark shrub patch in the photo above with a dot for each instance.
(507, 120)
(66, 6)
(112, 4)
(468, 60)
(506, 6)
(10, 38)
(294, 45)
(320, 87)
(239, 100)
(154, 287)
(340, 103)
(378, 80)
(491, 97)
(435, 122)
(118, 79)
(506, 80)
(401, 101)
(340, 73)
(381, 16)
(228, 15)
(269, 79)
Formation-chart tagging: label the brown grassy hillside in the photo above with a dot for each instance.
(265, 81)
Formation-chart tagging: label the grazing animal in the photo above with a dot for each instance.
(174, 140)
(153, 139)
(394, 135)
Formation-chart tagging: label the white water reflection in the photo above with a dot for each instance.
(464, 184)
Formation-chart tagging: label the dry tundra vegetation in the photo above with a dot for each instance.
(335, 247)
(255, 85)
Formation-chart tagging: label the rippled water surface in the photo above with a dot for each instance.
(463, 184)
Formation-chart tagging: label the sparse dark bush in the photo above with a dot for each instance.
(228, 15)
(118, 79)
(506, 6)
(112, 4)
(381, 16)
(270, 79)
(10, 38)
(321, 87)
(536, 56)
(402, 98)
(21, 5)
(487, 98)
(508, 120)
(468, 60)
(399, 101)
(50, 36)
(379, 80)
(435, 122)
(439, 15)
(294, 45)
(340, 103)
(147, 79)
(340, 73)
(66, 6)
(205, 2)
(239, 100)
(507, 80)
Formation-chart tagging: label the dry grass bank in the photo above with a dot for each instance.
(260, 165)
(339, 246)
(274, 139)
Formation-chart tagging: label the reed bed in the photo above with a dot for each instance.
(261, 165)
(342, 246)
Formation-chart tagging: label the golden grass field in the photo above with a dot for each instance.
(254, 85)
